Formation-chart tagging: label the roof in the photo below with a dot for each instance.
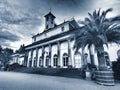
(49, 14)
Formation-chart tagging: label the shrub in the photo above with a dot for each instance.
(14, 66)
(116, 69)
(90, 66)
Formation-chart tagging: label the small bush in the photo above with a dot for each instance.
(14, 66)
(116, 69)
(90, 66)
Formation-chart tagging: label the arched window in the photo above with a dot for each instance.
(47, 60)
(30, 62)
(34, 62)
(55, 59)
(65, 59)
(40, 61)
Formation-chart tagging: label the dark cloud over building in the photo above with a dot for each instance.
(20, 19)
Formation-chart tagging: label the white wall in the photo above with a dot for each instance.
(21, 60)
(112, 50)
(29, 56)
(34, 55)
(56, 31)
(54, 51)
(72, 52)
(39, 55)
(63, 49)
(46, 49)
(14, 59)
(76, 59)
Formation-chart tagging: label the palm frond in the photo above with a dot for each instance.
(113, 37)
(115, 19)
(90, 15)
(98, 31)
(98, 14)
(108, 10)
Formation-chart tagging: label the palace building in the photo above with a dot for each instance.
(54, 46)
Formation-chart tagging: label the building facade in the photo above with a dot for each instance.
(54, 46)
(18, 58)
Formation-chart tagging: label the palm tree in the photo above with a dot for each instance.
(91, 55)
(98, 31)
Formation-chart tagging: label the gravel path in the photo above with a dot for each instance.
(22, 81)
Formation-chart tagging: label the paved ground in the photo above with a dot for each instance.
(22, 81)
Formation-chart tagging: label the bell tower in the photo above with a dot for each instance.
(49, 21)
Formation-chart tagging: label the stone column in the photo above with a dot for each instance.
(69, 54)
(28, 59)
(58, 52)
(86, 58)
(50, 54)
(91, 55)
(36, 57)
(43, 52)
(83, 58)
(31, 58)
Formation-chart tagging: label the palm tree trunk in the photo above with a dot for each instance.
(103, 73)
(83, 57)
(101, 60)
(91, 55)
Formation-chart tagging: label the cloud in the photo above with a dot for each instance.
(17, 22)
(5, 35)
(13, 14)
(63, 9)
(6, 38)
(21, 19)
(105, 4)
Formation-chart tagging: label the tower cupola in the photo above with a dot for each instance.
(49, 21)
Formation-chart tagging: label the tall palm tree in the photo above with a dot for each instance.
(98, 31)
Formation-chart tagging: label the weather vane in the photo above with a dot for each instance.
(50, 9)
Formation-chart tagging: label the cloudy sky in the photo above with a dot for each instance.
(21, 19)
